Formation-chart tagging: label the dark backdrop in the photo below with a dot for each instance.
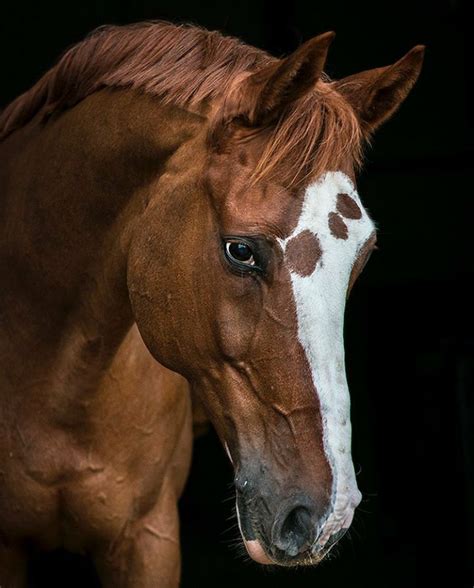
(409, 329)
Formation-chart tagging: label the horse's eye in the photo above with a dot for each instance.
(239, 252)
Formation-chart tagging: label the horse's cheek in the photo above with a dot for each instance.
(235, 325)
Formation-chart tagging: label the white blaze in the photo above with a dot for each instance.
(320, 302)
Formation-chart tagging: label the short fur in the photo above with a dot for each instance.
(120, 184)
(188, 66)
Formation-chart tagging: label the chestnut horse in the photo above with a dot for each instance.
(179, 214)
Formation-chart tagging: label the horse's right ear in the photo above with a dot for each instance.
(377, 93)
(262, 96)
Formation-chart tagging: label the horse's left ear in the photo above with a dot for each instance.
(261, 97)
(377, 93)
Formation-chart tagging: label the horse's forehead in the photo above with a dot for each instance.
(327, 206)
(264, 207)
(331, 215)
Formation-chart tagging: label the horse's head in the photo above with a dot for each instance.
(239, 281)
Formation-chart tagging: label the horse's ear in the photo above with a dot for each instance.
(263, 95)
(377, 93)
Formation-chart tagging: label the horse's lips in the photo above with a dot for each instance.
(256, 552)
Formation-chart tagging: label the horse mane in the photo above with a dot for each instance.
(186, 65)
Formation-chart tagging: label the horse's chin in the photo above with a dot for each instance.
(256, 552)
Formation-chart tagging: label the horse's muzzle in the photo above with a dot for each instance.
(289, 537)
(295, 532)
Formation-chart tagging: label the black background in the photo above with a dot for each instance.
(409, 328)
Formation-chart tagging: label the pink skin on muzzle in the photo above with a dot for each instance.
(256, 552)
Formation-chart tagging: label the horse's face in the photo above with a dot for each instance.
(245, 295)
(241, 287)
(286, 263)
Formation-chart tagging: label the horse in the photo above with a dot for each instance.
(180, 227)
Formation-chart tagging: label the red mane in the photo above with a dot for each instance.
(185, 65)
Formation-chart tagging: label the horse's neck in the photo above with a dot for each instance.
(71, 194)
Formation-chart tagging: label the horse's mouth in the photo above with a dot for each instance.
(264, 552)
(277, 557)
(261, 550)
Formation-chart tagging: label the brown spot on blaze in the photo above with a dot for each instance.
(303, 253)
(347, 207)
(361, 259)
(337, 226)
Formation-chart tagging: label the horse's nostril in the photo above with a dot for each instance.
(297, 532)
